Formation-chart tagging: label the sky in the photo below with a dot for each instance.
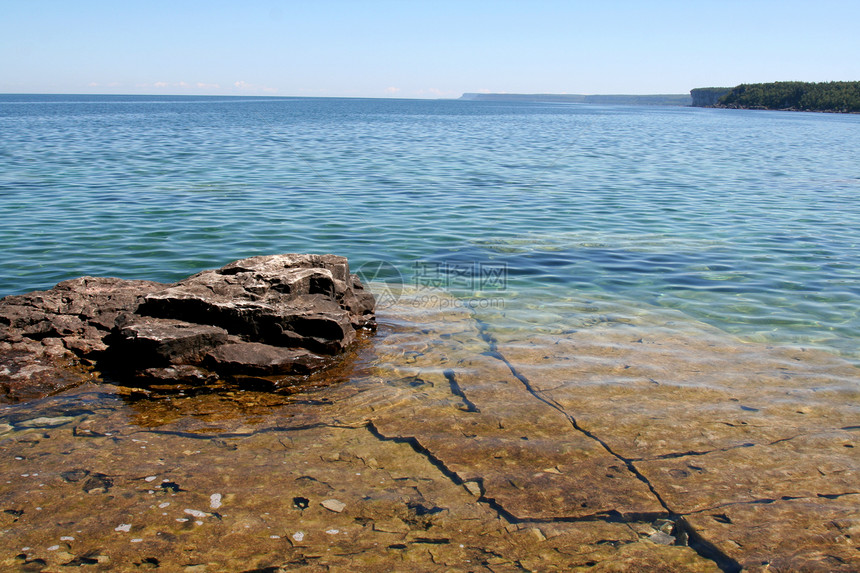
(420, 49)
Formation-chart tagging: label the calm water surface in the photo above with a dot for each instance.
(748, 221)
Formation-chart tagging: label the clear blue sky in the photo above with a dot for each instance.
(409, 48)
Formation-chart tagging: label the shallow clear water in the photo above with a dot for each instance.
(617, 267)
(748, 221)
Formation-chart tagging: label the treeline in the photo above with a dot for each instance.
(801, 96)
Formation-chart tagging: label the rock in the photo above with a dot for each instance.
(85, 308)
(154, 341)
(97, 483)
(178, 374)
(215, 501)
(661, 538)
(263, 359)
(612, 447)
(333, 505)
(276, 315)
(29, 370)
(44, 422)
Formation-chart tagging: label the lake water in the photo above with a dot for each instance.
(747, 221)
(595, 322)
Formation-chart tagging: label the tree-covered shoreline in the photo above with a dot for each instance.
(838, 97)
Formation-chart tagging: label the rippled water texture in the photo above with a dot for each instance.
(748, 221)
(609, 337)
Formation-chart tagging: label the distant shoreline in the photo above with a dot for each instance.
(610, 99)
(739, 97)
(678, 100)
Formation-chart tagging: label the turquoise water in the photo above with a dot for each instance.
(748, 221)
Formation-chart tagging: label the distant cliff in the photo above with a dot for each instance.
(707, 97)
(841, 97)
(609, 99)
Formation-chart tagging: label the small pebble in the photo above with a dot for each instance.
(334, 505)
(53, 547)
(195, 512)
(137, 540)
(298, 536)
(163, 505)
(332, 531)
(123, 527)
(150, 478)
(215, 500)
(661, 538)
(67, 538)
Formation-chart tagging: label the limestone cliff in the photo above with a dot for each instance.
(707, 97)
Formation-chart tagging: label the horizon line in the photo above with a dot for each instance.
(275, 96)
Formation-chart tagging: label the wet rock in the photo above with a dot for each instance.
(97, 483)
(184, 374)
(74, 475)
(661, 538)
(810, 534)
(29, 370)
(263, 359)
(267, 315)
(531, 460)
(215, 500)
(45, 422)
(616, 447)
(402, 513)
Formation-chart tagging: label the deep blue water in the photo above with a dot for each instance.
(746, 220)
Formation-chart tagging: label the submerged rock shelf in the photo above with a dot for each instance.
(450, 443)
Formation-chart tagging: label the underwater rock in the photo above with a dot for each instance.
(266, 315)
(619, 446)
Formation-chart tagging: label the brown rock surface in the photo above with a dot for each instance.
(453, 444)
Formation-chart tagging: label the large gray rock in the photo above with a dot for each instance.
(267, 315)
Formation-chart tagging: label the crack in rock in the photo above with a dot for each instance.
(703, 547)
(627, 462)
(457, 391)
(444, 470)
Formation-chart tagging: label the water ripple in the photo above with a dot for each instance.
(749, 222)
